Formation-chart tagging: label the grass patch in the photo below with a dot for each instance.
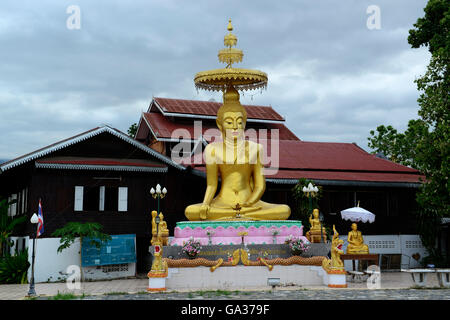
(116, 293)
(212, 293)
(64, 296)
(416, 287)
(143, 292)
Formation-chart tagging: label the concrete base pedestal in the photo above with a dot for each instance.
(243, 277)
(336, 279)
(157, 283)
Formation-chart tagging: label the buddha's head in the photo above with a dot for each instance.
(231, 116)
(354, 226)
(154, 214)
(316, 213)
(161, 216)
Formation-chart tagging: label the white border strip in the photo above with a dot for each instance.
(66, 166)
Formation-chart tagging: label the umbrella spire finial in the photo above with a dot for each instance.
(358, 204)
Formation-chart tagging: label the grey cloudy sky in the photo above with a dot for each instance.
(332, 77)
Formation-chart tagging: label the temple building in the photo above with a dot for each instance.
(346, 172)
(103, 175)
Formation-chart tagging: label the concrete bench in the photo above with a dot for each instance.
(419, 276)
(443, 277)
(356, 276)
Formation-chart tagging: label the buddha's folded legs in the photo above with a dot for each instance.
(262, 211)
(351, 249)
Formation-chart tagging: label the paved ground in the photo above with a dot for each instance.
(394, 286)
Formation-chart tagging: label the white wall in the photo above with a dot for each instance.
(50, 266)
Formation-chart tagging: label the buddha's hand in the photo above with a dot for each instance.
(248, 203)
(204, 209)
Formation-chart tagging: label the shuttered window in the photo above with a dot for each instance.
(14, 205)
(78, 206)
(123, 199)
(101, 200)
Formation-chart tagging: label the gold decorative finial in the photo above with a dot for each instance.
(230, 27)
(221, 79)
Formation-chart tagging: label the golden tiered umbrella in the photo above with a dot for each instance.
(221, 79)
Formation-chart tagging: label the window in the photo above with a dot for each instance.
(12, 209)
(123, 198)
(78, 205)
(101, 198)
(111, 199)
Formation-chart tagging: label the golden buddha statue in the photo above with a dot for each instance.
(162, 231)
(238, 162)
(356, 242)
(317, 231)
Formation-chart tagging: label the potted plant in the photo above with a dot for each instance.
(191, 248)
(298, 245)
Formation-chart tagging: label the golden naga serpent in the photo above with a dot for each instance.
(241, 254)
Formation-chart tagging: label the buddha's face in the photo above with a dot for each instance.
(233, 125)
(316, 213)
(354, 227)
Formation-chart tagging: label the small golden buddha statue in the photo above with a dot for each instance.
(163, 232)
(356, 242)
(239, 164)
(314, 234)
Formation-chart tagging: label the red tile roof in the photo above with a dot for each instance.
(340, 176)
(208, 108)
(163, 127)
(332, 161)
(332, 156)
(346, 176)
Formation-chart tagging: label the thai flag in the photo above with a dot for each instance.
(40, 226)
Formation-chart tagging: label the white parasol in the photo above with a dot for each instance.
(358, 214)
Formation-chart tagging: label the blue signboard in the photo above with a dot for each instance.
(120, 249)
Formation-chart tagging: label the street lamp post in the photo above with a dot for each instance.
(310, 191)
(31, 292)
(158, 194)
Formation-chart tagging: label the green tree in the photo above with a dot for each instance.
(425, 144)
(132, 130)
(73, 230)
(7, 223)
(396, 146)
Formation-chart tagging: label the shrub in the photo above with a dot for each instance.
(13, 269)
